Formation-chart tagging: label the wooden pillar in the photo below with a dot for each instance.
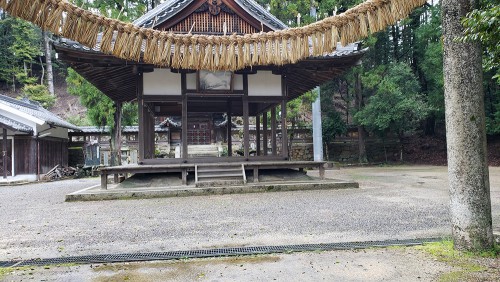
(257, 133)
(117, 146)
(4, 152)
(273, 131)
(152, 143)
(246, 126)
(140, 108)
(284, 129)
(229, 129)
(37, 150)
(264, 129)
(184, 137)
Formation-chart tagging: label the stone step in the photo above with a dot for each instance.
(219, 183)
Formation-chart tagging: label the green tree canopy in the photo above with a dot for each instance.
(484, 25)
(397, 105)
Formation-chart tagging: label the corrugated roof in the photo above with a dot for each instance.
(34, 109)
(170, 8)
(16, 125)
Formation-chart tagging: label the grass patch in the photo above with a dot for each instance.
(4, 271)
(467, 262)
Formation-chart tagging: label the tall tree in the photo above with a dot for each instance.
(465, 133)
(48, 62)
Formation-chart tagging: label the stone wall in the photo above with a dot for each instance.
(302, 152)
(377, 150)
(346, 151)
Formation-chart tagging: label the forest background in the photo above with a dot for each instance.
(397, 91)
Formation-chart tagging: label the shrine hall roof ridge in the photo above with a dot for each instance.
(170, 8)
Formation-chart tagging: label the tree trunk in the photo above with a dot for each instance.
(48, 62)
(361, 130)
(465, 133)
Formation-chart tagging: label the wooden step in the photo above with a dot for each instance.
(220, 175)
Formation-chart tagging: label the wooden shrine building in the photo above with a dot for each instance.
(195, 97)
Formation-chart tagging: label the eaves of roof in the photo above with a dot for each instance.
(15, 125)
(33, 111)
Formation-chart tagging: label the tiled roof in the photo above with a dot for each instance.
(170, 8)
(105, 129)
(14, 124)
(34, 109)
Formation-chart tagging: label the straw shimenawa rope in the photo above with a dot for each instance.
(228, 52)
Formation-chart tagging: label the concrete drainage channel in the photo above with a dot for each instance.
(222, 252)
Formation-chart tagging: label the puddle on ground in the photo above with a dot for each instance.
(171, 270)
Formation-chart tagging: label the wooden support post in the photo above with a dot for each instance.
(321, 171)
(246, 125)
(184, 138)
(117, 146)
(140, 108)
(284, 129)
(273, 131)
(4, 153)
(256, 174)
(37, 149)
(184, 176)
(264, 129)
(229, 129)
(104, 180)
(257, 133)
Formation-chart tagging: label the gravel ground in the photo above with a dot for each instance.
(392, 203)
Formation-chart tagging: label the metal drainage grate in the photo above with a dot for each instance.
(222, 252)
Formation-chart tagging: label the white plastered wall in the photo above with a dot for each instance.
(264, 83)
(162, 82)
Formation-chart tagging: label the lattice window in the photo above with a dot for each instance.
(207, 23)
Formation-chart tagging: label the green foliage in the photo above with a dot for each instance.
(466, 263)
(19, 48)
(483, 25)
(298, 108)
(78, 120)
(100, 108)
(332, 122)
(39, 93)
(396, 105)
(429, 49)
(125, 10)
(333, 125)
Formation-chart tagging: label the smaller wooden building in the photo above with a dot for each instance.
(34, 140)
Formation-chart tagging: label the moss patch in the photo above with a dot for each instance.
(470, 265)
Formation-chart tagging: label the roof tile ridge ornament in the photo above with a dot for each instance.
(63, 18)
(214, 6)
